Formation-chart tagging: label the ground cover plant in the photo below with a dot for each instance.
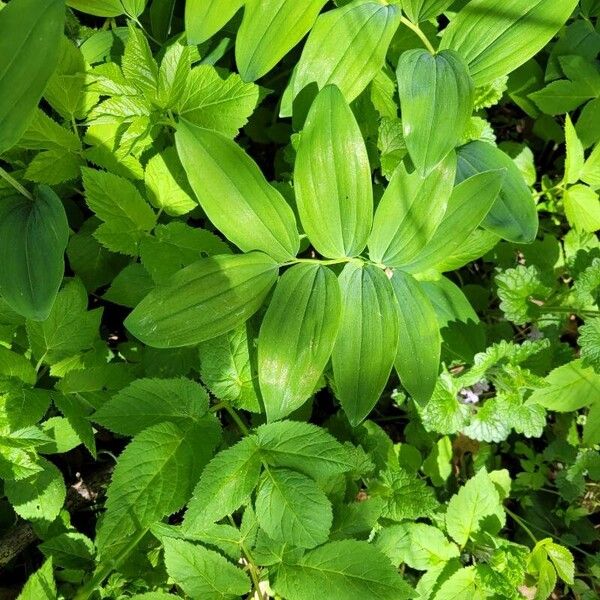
(299, 300)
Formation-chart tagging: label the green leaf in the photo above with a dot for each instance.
(69, 550)
(590, 173)
(39, 497)
(436, 98)
(303, 447)
(203, 573)
(269, 30)
(561, 96)
(562, 560)
(226, 483)
(497, 36)
(126, 215)
(98, 8)
(203, 18)
(40, 585)
(575, 157)
(570, 387)
(367, 341)
(147, 402)
(514, 215)
(53, 167)
(333, 186)
(419, 347)
(153, 478)
(589, 342)
(582, 207)
(591, 429)
(130, 286)
(346, 47)
(134, 8)
(469, 203)
(297, 336)
(475, 508)
(347, 569)
(423, 10)
(33, 239)
(30, 36)
(69, 328)
(291, 508)
(461, 585)
(255, 215)
(138, 65)
(409, 213)
(204, 300)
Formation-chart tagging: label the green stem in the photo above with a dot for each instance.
(233, 414)
(10, 179)
(570, 310)
(252, 567)
(521, 524)
(416, 29)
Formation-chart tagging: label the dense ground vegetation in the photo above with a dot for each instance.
(299, 299)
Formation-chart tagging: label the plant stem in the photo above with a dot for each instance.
(521, 524)
(10, 179)
(570, 310)
(252, 567)
(233, 414)
(416, 29)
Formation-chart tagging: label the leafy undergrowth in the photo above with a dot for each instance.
(299, 300)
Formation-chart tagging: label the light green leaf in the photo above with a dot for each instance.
(297, 336)
(469, 203)
(561, 96)
(30, 36)
(333, 186)
(134, 8)
(204, 300)
(409, 213)
(14, 365)
(514, 215)
(53, 167)
(348, 569)
(476, 507)
(303, 447)
(147, 402)
(419, 346)
(589, 342)
(346, 47)
(153, 478)
(33, 239)
(255, 215)
(70, 550)
(203, 18)
(98, 8)
(138, 65)
(269, 30)
(575, 157)
(570, 387)
(203, 573)
(436, 98)
(292, 509)
(423, 10)
(461, 585)
(582, 207)
(367, 341)
(590, 173)
(563, 562)
(40, 585)
(497, 36)
(226, 483)
(173, 74)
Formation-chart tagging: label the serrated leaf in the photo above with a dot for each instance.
(40, 585)
(297, 336)
(70, 550)
(461, 585)
(367, 341)
(204, 300)
(575, 159)
(589, 342)
(14, 365)
(436, 98)
(255, 216)
(582, 207)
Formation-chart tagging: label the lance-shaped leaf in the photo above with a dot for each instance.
(30, 34)
(422, 10)
(332, 178)
(497, 36)
(235, 194)
(409, 212)
(203, 18)
(346, 47)
(514, 215)
(418, 358)
(204, 300)
(470, 202)
(436, 99)
(366, 344)
(297, 336)
(270, 29)
(98, 8)
(33, 239)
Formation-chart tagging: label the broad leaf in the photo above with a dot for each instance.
(98, 8)
(422, 10)
(366, 345)
(333, 186)
(270, 29)
(346, 47)
(297, 337)
(203, 18)
(471, 200)
(436, 99)
(40, 585)
(30, 35)
(204, 300)
(409, 213)
(292, 509)
(497, 36)
(33, 239)
(419, 346)
(582, 207)
(239, 200)
(514, 215)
